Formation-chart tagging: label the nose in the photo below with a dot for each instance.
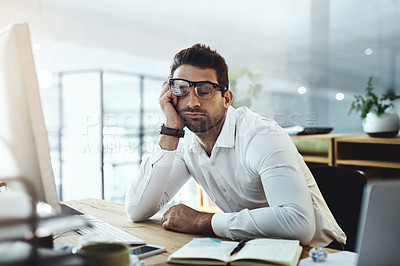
(193, 99)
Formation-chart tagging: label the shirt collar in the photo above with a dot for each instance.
(226, 137)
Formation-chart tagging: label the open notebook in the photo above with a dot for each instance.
(263, 251)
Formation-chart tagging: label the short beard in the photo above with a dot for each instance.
(203, 125)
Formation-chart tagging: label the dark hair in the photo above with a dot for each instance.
(202, 56)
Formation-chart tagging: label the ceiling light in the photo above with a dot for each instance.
(302, 90)
(368, 51)
(339, 96)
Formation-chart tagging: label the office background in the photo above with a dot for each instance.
(101, 63)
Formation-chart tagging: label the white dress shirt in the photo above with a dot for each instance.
(254, 175)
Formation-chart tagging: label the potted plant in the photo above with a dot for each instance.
(254, 88)
(376, 121)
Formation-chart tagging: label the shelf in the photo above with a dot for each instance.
(366, 163)
(369, 140)
(364, 151)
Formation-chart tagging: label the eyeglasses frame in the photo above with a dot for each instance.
(194, 84)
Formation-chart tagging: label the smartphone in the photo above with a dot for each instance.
(147, 250)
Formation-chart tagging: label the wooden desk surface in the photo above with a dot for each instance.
(150, 231)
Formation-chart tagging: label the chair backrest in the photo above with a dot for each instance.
(342, 190)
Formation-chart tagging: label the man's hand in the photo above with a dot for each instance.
(182, 218)
(167, 102)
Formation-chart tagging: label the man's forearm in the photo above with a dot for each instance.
(204, 223)
(168, 143)
(184, 219)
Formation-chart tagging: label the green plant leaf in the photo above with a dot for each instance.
(371, 102)
(254, 87)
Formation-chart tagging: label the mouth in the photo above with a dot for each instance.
(190, 115)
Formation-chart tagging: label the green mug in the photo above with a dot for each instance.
(105, 254)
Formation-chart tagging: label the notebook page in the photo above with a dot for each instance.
(274, 250)
(207, 248)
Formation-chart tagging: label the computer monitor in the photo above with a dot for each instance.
(379, 225)
(24, 149)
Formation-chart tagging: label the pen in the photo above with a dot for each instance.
(238, 247)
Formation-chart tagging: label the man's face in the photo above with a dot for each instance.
(200, 115)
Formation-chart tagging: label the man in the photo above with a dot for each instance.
(246, 163)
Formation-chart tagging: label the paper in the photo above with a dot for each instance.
(207, 248)
(278, 250)
(294, 130)
(343, 258)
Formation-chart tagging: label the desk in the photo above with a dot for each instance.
(150, 231)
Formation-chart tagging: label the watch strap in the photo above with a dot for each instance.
(178, 133)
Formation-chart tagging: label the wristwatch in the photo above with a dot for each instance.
(178, 133)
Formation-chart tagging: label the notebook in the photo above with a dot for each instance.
(263, 251)
(379, 229)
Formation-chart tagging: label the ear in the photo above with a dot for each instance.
(228, 98)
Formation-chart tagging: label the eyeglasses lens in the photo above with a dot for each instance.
(205, 90)
(181, 88)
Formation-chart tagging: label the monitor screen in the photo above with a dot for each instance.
(24, 149)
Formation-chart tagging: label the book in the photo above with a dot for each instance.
(262, 251)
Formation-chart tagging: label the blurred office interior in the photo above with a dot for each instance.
(101, 65)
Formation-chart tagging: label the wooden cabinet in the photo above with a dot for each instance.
(376, 156)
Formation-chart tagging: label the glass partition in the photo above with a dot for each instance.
(100, 125)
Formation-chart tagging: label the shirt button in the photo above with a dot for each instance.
(223, 189)
(213, 164)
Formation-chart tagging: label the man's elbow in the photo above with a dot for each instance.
(305, 231)
(142, 211)
(135, 214)
(305, 235)
(298, 224)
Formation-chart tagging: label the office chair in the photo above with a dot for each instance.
(342, 190)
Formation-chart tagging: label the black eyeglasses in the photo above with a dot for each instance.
(203, 89)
